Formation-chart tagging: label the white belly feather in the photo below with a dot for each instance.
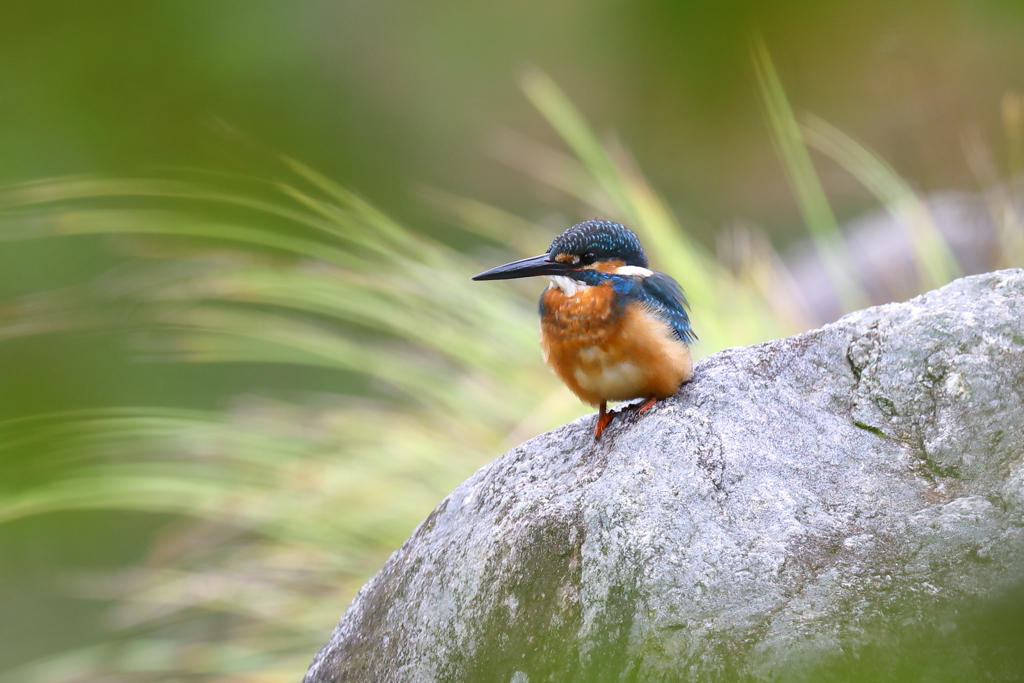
(612, 378)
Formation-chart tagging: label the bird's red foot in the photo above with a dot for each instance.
(646, 405)
(603, 419)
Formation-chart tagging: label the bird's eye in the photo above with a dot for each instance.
(587, 259)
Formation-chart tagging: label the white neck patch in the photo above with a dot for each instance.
(634, 270)
(568, 286)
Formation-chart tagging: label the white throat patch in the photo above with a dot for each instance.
(568, 286)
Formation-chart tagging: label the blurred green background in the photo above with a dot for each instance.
(162, 519)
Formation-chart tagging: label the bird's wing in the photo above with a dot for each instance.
(665, 298)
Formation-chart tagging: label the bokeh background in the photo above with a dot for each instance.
(240, 356)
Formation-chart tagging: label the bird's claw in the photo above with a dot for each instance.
(646, 405)
(604, 418)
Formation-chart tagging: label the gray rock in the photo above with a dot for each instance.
(845, 503)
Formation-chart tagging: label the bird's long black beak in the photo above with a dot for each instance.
(527, 267)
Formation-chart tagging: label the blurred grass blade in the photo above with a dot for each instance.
(1001, 199)
(803, 179)
(553, 168)
(526, 237)
(618, 182)
(933, 259)
(61, 192)
(559, 111)
(1013, 124)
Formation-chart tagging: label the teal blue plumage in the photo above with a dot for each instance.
(666, 300)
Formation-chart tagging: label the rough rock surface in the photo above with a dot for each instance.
(845, 493)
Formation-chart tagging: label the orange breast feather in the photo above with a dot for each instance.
(603, 354)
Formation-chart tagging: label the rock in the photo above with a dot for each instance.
(845, 502)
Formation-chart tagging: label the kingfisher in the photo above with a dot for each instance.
(611, 328)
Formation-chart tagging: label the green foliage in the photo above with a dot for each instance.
(288, 508)
(803, 179)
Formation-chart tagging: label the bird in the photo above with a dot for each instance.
(611, 328)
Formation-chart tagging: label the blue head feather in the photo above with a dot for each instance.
(603, 240)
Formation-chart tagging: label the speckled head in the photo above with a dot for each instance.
(597, 240)
(581, 253)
